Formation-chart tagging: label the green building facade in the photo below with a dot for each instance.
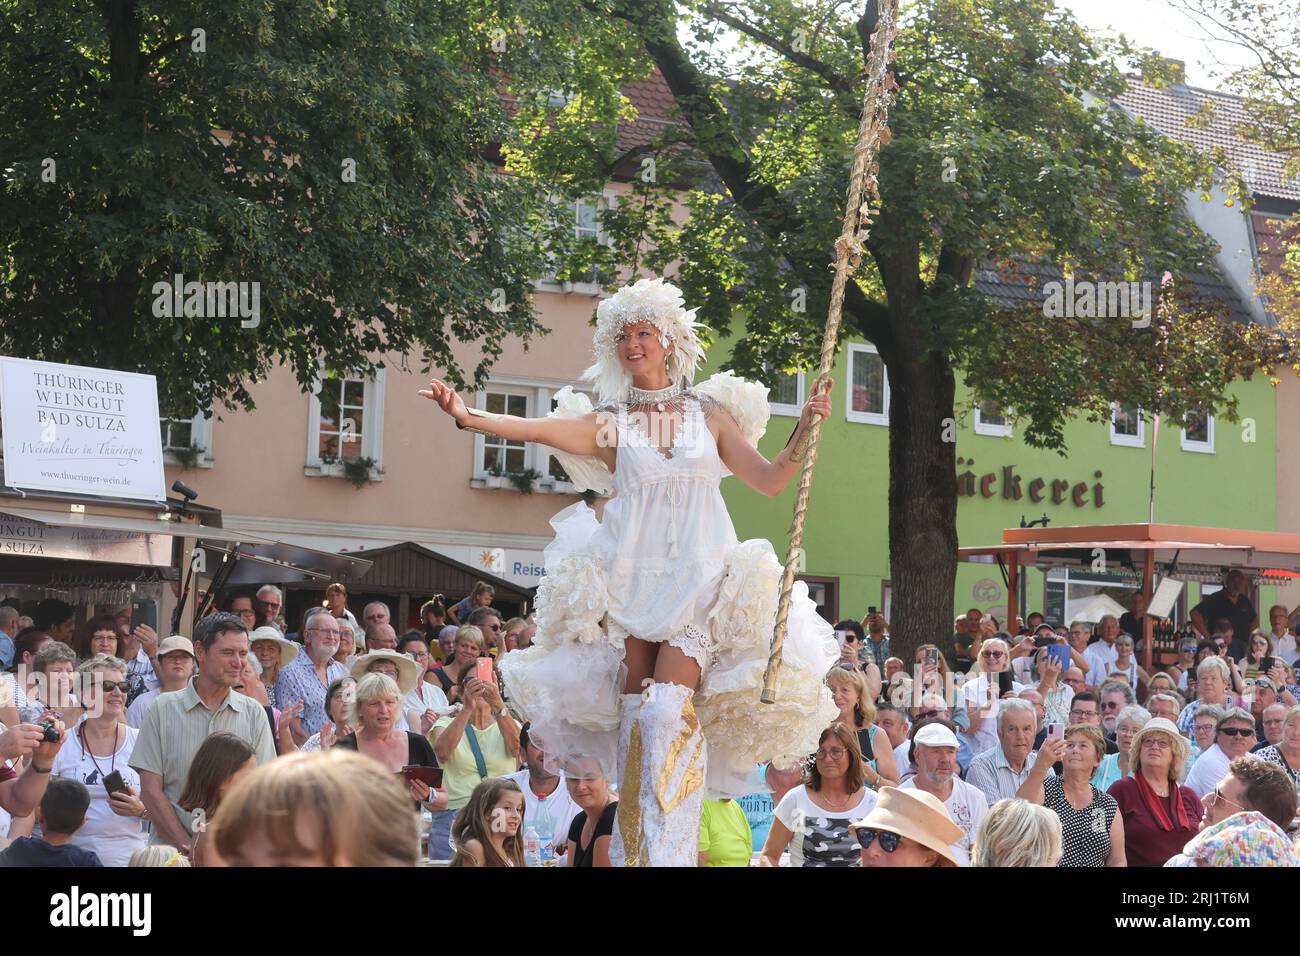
(1219, 474)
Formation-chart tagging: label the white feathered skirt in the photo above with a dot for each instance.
(569, 683)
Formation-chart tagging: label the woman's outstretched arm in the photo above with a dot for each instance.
(745, 462)
(577, 436)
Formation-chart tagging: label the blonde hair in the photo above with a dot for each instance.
(361, 814)
(371, 687)
(864, 710)
(160, 854)
(473, 632)
(1178, 744)
(1017, 833)
(1006, 655)
(1216, 664)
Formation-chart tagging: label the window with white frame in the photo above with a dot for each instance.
(785, 394)
(1127, 426)
(868, 386)
(992, 419)
(186, 439)
(346, 421)
(585, 217)
(494, 456)
(1198, 433)
(501, 456)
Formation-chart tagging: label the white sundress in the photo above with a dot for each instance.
(665, 565)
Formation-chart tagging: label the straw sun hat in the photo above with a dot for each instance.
(408, 672)
(917, 815)
(288, 649)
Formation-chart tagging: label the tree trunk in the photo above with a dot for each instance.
(922, 503)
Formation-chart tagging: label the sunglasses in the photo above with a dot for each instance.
(993, 654)
(110, 686)
(888, 841)
(1238, 731)
(1214, 796)
(850, 638)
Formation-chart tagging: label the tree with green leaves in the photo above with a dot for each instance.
(1270, 86)
(344, 157)
(1007, 161)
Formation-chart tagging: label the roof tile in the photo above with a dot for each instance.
(1168, 110)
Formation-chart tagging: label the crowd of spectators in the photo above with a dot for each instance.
(1028, 745)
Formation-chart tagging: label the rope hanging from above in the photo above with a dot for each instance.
(873, 132)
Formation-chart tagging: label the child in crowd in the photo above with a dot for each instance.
(488, 831)
(62, 813)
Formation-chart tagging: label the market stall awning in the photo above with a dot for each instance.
(1182, 551)
(258, 560)
(261, 561)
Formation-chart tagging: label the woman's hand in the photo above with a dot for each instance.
(48, 751)
(427, 720)
(447, 400)
(818, 407)
(1049, 669)
(126, 804)
(284, 729)
(486, 691)
(1052, 750)
(327, 736)
(419, 789)
(148, 639)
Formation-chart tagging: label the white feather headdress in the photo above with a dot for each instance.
(646, 300)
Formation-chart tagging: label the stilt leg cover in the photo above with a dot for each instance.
(672, 776)
(625, 845)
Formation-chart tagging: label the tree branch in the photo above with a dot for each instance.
(762, 202)
(866, 27)
(837, 83)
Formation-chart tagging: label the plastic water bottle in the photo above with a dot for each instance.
(532, 848)
(548, 853)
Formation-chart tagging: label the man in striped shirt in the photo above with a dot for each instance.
(176, 725)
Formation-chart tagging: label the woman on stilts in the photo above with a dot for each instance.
(653, 624)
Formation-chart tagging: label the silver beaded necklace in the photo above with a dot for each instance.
(658, 397)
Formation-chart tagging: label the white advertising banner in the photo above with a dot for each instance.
(78, 430)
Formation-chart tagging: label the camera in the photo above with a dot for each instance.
(49, 734)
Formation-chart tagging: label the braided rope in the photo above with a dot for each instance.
(873, 132)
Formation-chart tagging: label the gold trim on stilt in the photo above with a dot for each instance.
(693, 778)
(629, 800)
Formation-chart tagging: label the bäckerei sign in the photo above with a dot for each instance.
(87, 431)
